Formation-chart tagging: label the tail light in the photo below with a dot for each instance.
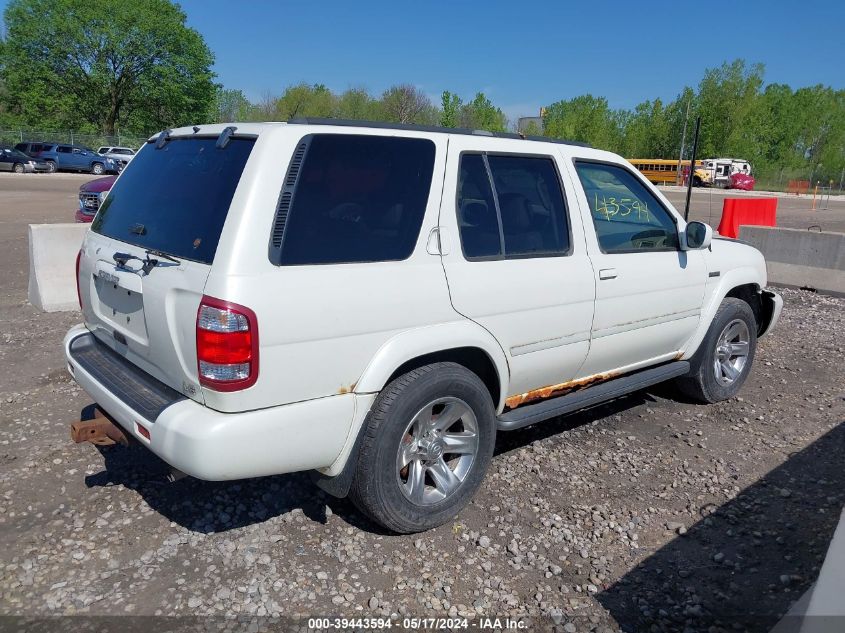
(227, 345)
(78, 293)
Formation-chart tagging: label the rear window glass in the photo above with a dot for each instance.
(175, 199)
(358, 199)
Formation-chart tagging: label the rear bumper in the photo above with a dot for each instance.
(216, 446)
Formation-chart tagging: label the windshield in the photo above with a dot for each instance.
(175, 199)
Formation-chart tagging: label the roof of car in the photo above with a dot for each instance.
(255, 128)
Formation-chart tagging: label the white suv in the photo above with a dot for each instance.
(374, 303)
(120, 155)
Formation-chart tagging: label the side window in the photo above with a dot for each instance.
(531, 205)
(477, 218)
(358, 198)
(626, 215)
(521, 214)
(63, 149)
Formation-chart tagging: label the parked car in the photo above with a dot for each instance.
(91, 195)
(69, 157)
(120, 155)
(18, 162)
(376, 303)
(41, 150)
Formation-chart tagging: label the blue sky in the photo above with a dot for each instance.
(522, 55)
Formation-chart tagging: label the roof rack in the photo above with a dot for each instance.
(428, 128)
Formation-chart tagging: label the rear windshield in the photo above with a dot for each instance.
(175, 199)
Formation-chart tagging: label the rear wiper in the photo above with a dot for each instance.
(152, 251)
(147, 264)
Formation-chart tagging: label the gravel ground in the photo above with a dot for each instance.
(644, 514)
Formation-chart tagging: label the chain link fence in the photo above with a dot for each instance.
(92, 141)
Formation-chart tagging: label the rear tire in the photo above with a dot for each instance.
(427, 443)
(18, 168)
(723, 360)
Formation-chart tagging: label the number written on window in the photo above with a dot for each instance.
(626, 214)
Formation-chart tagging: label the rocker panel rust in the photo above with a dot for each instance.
(560, 389)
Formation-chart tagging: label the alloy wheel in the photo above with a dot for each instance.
(437, 451)
(731, 354)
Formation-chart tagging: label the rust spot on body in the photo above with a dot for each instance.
(556, 390)
(344, 389)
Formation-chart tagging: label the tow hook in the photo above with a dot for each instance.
(100, 431)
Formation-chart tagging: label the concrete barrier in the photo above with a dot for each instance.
(821, 608)
(801, 259)
(52, 265)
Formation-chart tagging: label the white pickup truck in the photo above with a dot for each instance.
(375, 303)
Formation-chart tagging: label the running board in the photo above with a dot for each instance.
(590, 396)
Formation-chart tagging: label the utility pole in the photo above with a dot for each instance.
(841, 178)
(683, 142)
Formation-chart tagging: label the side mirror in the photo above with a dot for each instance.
(697, 235)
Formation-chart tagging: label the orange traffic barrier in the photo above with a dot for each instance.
(749, 211)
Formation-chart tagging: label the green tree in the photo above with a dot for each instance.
(450, 111)
(231, 105)
(647, 132)
(129, 64)
(481, 114)
(586, 118)
(356, 104)
(725, 99)
(303, 100)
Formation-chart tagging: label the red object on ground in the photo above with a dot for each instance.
(742, 181)
(755, 211)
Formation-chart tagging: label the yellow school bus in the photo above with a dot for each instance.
(661, 171)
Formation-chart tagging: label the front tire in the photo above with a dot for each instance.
(97, 169)
(18, 168)
(52, 167)
(427, 443)
(723, 360)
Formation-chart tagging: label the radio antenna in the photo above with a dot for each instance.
(691, 175)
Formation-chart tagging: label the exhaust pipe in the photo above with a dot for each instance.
(100, 431)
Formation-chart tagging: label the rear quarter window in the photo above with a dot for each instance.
(357, 198)
(175, 199)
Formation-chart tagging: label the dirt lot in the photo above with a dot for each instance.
(648, 513)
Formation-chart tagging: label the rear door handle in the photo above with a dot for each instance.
(607, 273)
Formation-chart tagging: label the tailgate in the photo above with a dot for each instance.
(149, 319)
(150, 250)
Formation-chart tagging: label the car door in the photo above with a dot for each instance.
(515, 257)
(80, 158)
(64, 155)
(649, 292)
(6, 160)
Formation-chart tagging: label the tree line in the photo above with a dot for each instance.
(785, 133)
(137, 67)
(398, 104)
